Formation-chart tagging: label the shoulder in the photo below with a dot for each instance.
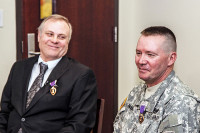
(74, 64)
(78, 67)
(136, 92)
(181, 106)
(75, 68)
(22, 63)
(180, 88)
(182, 96)
(137, 89)
(177, 90)
(179, 96)
(134, 95)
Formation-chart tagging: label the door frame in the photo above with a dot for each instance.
(19, 28)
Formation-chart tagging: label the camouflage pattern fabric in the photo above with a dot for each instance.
(173, 108)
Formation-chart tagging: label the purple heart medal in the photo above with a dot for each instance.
(142, 109)
(53, 87)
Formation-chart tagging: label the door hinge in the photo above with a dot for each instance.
(115, 34)
(22, 50)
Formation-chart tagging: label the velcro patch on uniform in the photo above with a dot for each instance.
(170, 124)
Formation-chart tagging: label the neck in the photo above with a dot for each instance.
(162, 77)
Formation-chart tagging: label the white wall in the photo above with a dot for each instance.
(7, 40)
(181, 16)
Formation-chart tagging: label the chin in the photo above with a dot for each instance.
(145, 78)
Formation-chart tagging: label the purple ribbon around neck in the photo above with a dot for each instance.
(142, 108)
(53, 83)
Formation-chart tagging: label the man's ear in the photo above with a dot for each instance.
(172, 58)
(38, 36)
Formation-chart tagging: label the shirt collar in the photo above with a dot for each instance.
(51, 64)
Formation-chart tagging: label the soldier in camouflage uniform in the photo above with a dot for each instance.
(163, 104)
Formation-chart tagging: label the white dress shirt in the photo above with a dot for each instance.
(36, 70)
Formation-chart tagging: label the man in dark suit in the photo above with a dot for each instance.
(64, 102)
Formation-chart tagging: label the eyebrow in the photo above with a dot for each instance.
(54, 32)
(151, 52)
(147, 52)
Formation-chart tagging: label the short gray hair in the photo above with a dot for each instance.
(56, 17)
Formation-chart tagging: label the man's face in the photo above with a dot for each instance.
(53, 40)
(150, 58)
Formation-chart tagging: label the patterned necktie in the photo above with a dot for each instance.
(36, 84)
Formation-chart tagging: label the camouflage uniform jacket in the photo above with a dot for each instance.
(173, 108)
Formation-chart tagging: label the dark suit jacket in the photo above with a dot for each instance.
(71, 110)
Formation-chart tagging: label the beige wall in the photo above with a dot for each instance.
(181, 16)
(7, 40)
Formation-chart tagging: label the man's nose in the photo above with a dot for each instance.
(142, 59)
(55, 39)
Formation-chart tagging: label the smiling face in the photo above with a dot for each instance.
(153, 62)
(53, 39)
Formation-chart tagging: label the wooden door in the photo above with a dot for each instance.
(93, 41)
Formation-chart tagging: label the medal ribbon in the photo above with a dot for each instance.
(142, 108)
(53, 83)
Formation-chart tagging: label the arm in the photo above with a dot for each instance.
(6, 106)
(82, 113)
(118, 119)
(182, 117)
(117, 124)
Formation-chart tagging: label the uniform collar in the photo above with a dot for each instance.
(153, 100)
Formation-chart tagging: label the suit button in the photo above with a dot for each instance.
(23, 119)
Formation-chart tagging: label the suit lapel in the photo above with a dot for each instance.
(57, 72)
(27, 74)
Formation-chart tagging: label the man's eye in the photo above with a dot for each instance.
(62, 37)
(49, 34)
(151, 55)
(138, 53)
